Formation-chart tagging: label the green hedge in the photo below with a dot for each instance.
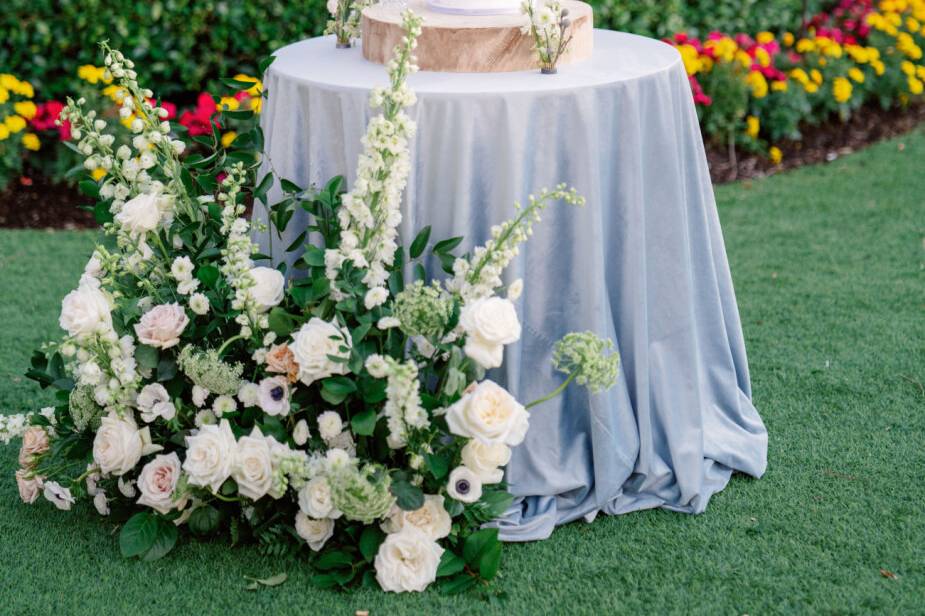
(182, 45)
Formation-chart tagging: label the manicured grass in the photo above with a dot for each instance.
(829, 265)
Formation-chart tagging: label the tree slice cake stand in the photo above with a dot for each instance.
(470, 43)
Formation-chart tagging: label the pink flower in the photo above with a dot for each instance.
(161, 326)
(29, 487)
(200, 120)
(45, 116)
(158, 481)
(34, 442)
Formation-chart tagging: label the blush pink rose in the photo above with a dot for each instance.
(29, 487)
(158, 481)
(34, 442)
(161, 326)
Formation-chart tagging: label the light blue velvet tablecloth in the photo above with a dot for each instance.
(643, 263)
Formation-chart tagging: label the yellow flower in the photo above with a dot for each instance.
(915, 86)
(764, 38)
(779, 86)
(116, 93)
(912, 24)
(26, 109)
(15, 123)
(94, 74)
(691, 59)
(228, 138)
(127, 122)
(775, 155)
(254, 90)
(744, 59)
(810, 88)
(805, 46)
(920, 72)
(4, 132)
(752, 126)
(787, 39)
(4, 95)
(763, 57)
(98, 174)
(800, 75)
(823, 61)
(8, 82)
(841, 90)
(758, 84)
(724, 49)
(856, 74)
(816, 76)
(833, 51)
(878, 67)
(908, 68)
(228, 103)
(257, 104)
(31, 141)
(24, 88)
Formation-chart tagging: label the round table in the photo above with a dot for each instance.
(642, 263)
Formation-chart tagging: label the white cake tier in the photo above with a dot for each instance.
(475, 7)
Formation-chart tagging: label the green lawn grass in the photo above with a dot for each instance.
(829, 266)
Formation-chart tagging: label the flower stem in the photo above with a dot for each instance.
(222, 348)
(554, 393)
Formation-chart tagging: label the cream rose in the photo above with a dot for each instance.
(314, 345)
(158, 482)
(315, 532)
(29, 487)
(119, 445)
(34, 442)
(490, 414)
(490, 323)
(253, 469)
(315, 499)
(140, 215)
(268, 288)
(210, 455)
(85, 311)
(161, 326)
(431, 518)
(407, 561)
(329, 425)
(486, 460)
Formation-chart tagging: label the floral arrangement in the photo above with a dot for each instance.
(345, 20)
(16, 110)
(344, 413)
(548, 24)
(756, 91)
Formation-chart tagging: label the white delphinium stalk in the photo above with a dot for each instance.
(479, 275)
(403, 408)
(371, 212)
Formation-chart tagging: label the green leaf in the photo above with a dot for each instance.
(290, 187)
(460, 583)
(495, 503)
(265, 63)
(273, 580)
(334, 559)
(490, 560)
(138, 534)
(420, 243)
(204, 520)
(339, 385)
(478, 542)
(281, 322)
(165, 540)
(314, 256)
(208, 275)
(89, 188)
(101, 213)
(370, 541)
(408, 497)
(364, 423)
(146, 357)
(264, 187)
(166, 369)
(450, 564)
(446, 246)
(324, 580)
(438, 466)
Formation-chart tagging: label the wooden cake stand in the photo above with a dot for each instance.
(470, 44)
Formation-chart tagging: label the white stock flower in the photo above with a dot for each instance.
(210, 455)
(162, 326)
(377, 367)
(515, 290)
(158, 482)
(199, 304)
(464, 485)
(153, 402)
(315, 499)
(314, 345)
(249, 394)
(431, 518)
(407, 561)
(181, 269)
(119, 445)
(487, 412)
(315, 532)
(223, 405)
(490, 323)
(141, 214)
(375, 297)
(486, 460)
(329, 425)
(301, 433)
(253, 469)
(85, 311)
(269, 287)
(273, 395)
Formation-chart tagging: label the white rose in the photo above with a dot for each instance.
(158, 482)
(464, 485)
(490, 414)
(153, 402)
(315, 532)
(140, 215)
(314, 344)
(161, 326)
(486, 460)
(301, 433)
(253, 469)
(490, 323)
(273, 395)
(210, 455)
(315, 499)
(85, 311)
(119, 445)
(329, 425)
(431, 518)
(407, 561)
(268, 288)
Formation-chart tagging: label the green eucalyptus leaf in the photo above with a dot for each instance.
(420, 243)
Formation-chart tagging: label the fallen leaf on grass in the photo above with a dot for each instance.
(888, 574)
(256, 583)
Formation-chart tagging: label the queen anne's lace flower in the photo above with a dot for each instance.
(589, 358)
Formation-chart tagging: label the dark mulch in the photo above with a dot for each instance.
(35, 202)
(820, 144)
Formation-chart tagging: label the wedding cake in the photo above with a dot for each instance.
(471, 36)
